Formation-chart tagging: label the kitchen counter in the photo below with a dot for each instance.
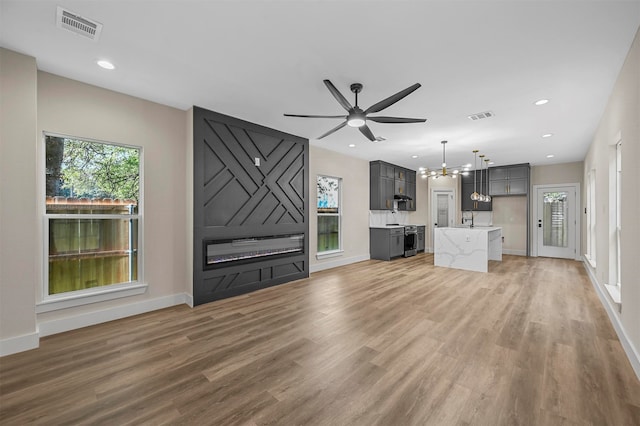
(467, 248)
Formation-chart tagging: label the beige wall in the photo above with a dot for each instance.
(33, 102)
(355, 205)
(510, 213)
(620, 121)
(557, 174)
(19, 224)
(72, 108)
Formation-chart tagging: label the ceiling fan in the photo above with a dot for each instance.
(357, 117)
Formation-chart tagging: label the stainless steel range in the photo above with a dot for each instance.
(410, 240)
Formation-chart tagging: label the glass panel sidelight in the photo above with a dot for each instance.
(443, 210)
(555, 219)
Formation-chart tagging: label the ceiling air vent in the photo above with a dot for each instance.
(77, 24)
(481, 115)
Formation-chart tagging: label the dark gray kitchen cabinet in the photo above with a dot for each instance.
(421, 240)
(509, 180)
(467, 188)
(386, 243)
(381, 186)
(386, 181)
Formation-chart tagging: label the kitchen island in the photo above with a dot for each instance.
(467, 248)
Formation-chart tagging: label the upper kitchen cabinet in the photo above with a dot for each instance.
(389, 182)
(509, 180)
(467, 188)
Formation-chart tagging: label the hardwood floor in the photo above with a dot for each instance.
(373, 343)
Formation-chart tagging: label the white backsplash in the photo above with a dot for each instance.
(383, 217)
(479, 218)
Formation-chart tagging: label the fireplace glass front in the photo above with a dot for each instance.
(223, 253)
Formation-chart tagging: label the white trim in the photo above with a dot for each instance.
(92, 295)
(614, 293)
(627, 345)
(328, 254)
(514, 252)
(73, 322)
(13, 345)
(66, 300)
(339, 262)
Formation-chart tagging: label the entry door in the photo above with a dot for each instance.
(556, 221)
(443, 211)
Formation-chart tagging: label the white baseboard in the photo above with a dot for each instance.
(47, 328)
(611, 308)
(514, 252)
(337, 262)
(13, 345)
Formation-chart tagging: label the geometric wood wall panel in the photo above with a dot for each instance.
(239, 193)
(234, 198)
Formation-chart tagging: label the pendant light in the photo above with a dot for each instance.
(475, 196)
(487, 198)
(481, 195)
(444, 160)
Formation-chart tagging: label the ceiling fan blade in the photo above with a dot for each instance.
(396, 120)
(344, 117)
(367, 132)
(336, 94)
(391, 99)
(335, 129)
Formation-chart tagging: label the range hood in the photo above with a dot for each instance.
(402, 197)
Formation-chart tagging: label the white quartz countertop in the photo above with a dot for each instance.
(393, 226)
(475, 228)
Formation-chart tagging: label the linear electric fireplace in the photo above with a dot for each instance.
(223, 253)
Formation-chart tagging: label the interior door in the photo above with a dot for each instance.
(443, 211)
(556, 221)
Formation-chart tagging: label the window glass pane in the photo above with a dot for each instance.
(328, 194)
(555, 221)
(328, 233)
(87, 253)
(91, 177)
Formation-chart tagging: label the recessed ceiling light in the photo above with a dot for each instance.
(491, 162)
(550, 156)
(547, 135)
(352, 145)
(424, 176)
(433, 173)
(423, 172)
(414, 156)
(541, 102)
(106, 65)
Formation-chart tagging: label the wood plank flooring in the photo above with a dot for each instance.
(373, 343)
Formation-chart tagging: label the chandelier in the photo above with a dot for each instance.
(441, 171)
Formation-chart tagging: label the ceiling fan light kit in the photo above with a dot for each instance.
(357, 117)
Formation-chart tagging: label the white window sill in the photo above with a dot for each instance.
(329, 254)
(592, 262)
(85, 297)
(614, 293)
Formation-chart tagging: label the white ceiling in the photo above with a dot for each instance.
(256, 60)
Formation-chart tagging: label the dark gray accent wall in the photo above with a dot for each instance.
(234, 198)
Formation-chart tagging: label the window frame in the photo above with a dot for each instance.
(51, 302)
(339, 250)
(590, 255)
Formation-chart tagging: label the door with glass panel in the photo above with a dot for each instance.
(556, 221)
(443, 210)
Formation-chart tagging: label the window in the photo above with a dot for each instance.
(618, 204)
(92, 217)
(329, 215)
(591, 218)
